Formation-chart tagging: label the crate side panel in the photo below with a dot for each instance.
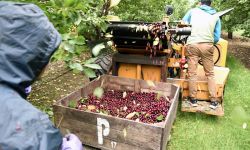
(89, 88)
(170, 118)
(125, 136)
(137, 134)
(108, 144)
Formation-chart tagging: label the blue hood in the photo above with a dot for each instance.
(27, 41)
(207, 9)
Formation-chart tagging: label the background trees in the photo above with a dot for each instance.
(150, 10)
(83, 21)
(239, 18)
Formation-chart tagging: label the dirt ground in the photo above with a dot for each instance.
(240, 48)
(56, 82)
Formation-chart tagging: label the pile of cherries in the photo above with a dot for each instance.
(139, 106)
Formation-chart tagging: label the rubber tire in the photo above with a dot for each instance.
(105, 62)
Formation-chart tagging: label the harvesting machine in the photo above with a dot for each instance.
(156, 52)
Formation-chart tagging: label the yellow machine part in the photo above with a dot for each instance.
(222, 45)
(137, 71)
(128, 71)
(151, 73)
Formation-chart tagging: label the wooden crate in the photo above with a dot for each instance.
(109, 132)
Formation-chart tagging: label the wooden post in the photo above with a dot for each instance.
(183, 74)
(138, 69)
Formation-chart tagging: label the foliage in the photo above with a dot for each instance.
(180, 8)
(239, 18)
(149, 10)
(78, 21)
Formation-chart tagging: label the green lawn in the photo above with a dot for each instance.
(199, 131)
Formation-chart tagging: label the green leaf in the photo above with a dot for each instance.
(90, 73)
(68, 58)
(65, 37)
(78, 21)
(92, 66)
(112, 18)
(160, 118)
(50, 113)
(57, 3)
(69, 3)
(72, 104)
(53, 2)
(155, 42)
(84, 100)
(98, 92)
(103, 26)
(130, 115)
(96, 50)
(68, 47)
(89, 61)
(72, 42)
(79, 50)
(105, 112)
(80, 40)
(159, 95)
(76, 66)
(114, 3)
(150, 83)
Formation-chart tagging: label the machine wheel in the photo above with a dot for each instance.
(216, 55)
(105, 62)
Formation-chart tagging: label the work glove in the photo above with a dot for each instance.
(71, 142)
(28, 90)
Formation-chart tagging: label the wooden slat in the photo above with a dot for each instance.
(170, 118)
(139, 59)
(107, 143)
(86, 90)
(131, 137)
(141, 51)
(159, 86)
(202, 88)
(121, 81)
(128, 70)
(201, 95)
(221, 74)
(201, 85)
(113, 82)
(175, 81)
(138, 71)
(87, 119)
(151, 73)
(203, 107)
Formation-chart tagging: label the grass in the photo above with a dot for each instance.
(202, 132)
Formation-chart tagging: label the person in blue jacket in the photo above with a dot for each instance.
(27, 41)
(206, 31)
